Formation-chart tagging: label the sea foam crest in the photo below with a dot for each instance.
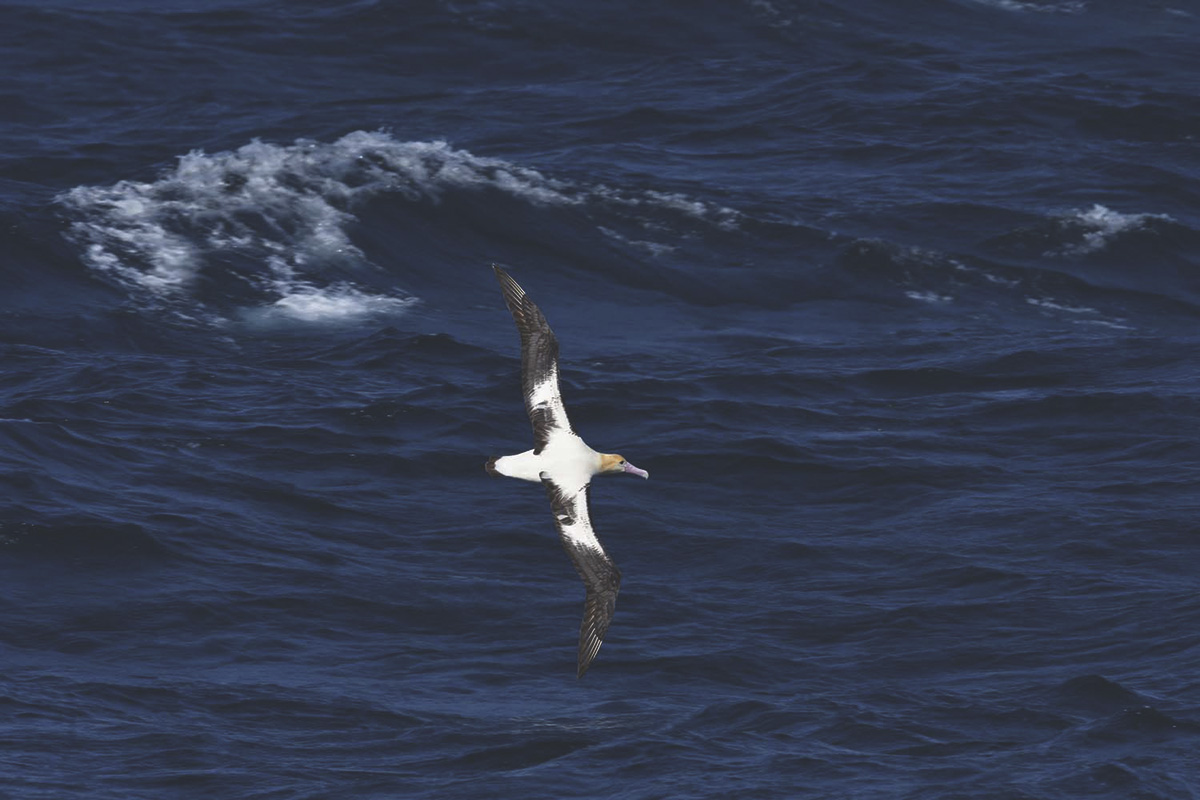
(269, 217)
(1070, 7)
(270, 221)
(1098, 225)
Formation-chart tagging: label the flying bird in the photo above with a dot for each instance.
(562, 463)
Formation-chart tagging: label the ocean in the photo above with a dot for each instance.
(896, 302)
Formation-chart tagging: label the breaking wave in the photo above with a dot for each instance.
(264, 231)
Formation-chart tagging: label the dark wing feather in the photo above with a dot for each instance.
(601, 578)
(539, 362)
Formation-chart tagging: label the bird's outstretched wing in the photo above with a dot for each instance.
(539, 363)
(600, 575)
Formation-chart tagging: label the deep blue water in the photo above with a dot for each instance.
(897, 303)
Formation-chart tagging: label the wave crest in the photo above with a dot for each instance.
(264, 229)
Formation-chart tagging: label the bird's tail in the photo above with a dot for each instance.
(490, 466)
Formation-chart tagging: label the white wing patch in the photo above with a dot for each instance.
(545, 395)
(579, 531)
(546, 390)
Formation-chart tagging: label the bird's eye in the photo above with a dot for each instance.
(623, 462)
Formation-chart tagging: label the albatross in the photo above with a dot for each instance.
(562, 463)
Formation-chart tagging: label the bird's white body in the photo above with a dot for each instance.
(563, 464)
(565, 459)
(569, 464)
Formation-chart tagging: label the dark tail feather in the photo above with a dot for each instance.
(490, 466)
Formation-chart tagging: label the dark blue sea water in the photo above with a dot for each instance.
(897, 302)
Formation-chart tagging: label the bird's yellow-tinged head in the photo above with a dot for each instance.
(611, 463)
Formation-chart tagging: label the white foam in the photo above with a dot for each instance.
(1052, 305)
(1100, 224)
(653, 248)
(339, 303)
(1082, 314)
(720, 216)
(1103, 323)
(282, 211)
(273, 219)
(1071, 7)
(928, 297)
(987, 276)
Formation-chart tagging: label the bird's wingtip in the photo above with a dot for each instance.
(582, 669)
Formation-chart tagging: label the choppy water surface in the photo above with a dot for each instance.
(897, 306)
